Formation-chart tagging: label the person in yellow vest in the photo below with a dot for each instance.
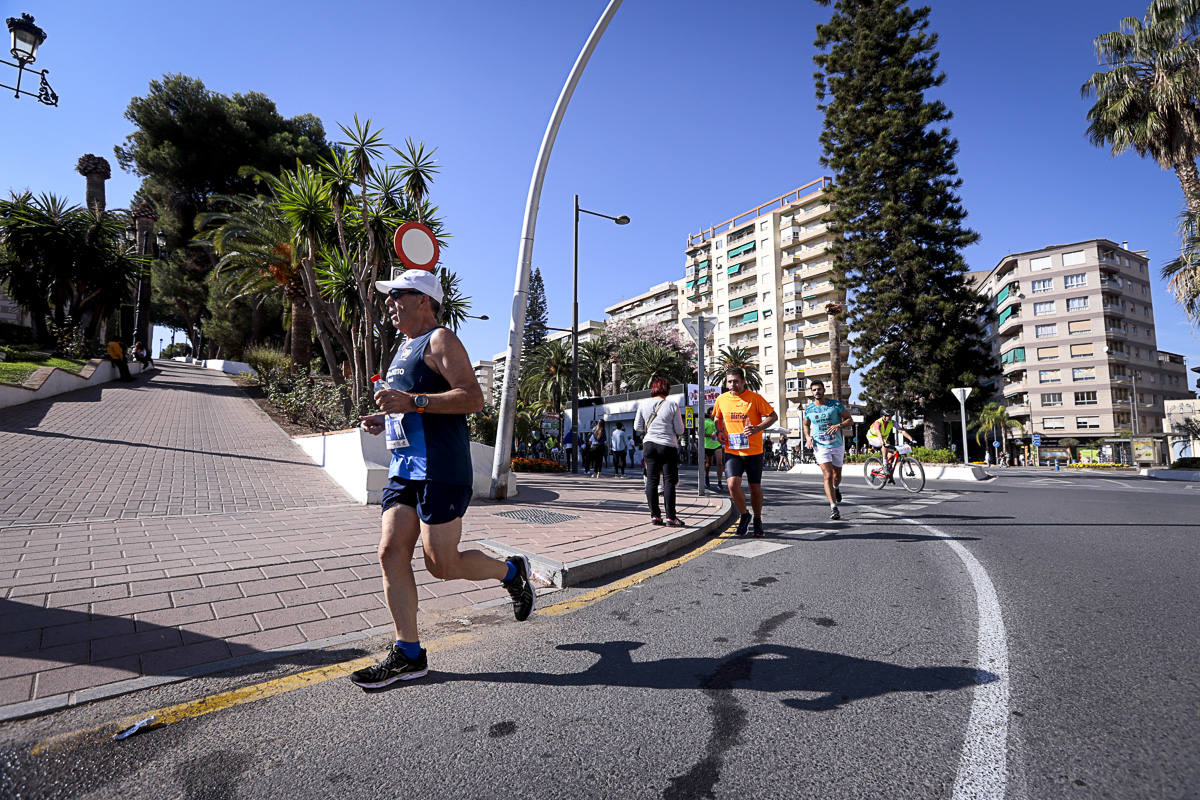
(880, 430)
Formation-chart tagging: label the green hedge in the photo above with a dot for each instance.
(922, 454)
(1186, 463)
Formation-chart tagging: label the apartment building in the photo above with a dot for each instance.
(490, 374)
(658, 305)
(765, 276)
(1075, 341)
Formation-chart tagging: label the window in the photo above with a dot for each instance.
(1085, 399)
(1050, 376)
(1077, 303)
(763, 226)
(1072, 258)
(1036, 264)
(1079, 326)
(719, 242)
(1042, 286)
(1041, 309)
(1075, 281)
(1054, 423)
(1082, 350)
(1051, 399)
(1083, 374)
(1043, 331)
(1047, 353)
(1087, 422)
(768, 350)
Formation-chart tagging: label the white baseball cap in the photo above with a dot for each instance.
(418, 279)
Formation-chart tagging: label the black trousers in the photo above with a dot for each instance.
(619, 461)
(662, 463)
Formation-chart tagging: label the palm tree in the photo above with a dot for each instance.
(993, 416)
(595, 355)
(833, 312)
(1147, 101)
(735, 357)
(547, 379)
(254, 244)
(642, 362)
(455, 304)
(1183, 274)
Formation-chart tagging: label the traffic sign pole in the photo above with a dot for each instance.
(962, 395)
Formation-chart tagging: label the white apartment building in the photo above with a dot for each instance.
(765, 275)
(658, 305)
(1075, 341)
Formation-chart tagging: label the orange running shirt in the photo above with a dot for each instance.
(736, 412)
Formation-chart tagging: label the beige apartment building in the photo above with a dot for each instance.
(1076, 343)
(765, 276)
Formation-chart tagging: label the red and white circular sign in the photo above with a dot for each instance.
(416, 246)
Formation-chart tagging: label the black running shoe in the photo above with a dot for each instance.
(743, 525)
(758, 529)
(837, 494)
(395, 667)
(523, 597)
(835, 514)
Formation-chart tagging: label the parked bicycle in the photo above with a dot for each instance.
(900, 464)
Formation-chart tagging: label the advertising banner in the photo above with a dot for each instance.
(1143, 450)
(710, 395)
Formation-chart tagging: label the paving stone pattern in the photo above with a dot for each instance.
(151, 527)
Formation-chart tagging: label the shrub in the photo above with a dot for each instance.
(940, 456)
(1186, 463)
(11, 333)
(68, 339)
(179, 349)
(317, 403)
(535, 465)
(1096, 465)
(269, 364)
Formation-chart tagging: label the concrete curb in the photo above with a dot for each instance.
(1171, 474)
(52, 381)
(576, 572)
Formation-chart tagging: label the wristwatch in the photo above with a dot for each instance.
(420, 401)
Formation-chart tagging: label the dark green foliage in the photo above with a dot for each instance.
(1186, 463)
(536, 316)
(897, 221)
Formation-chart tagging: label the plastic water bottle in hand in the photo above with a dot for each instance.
(393, 426)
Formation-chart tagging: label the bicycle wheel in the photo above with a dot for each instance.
(912, 474)
(874, 472)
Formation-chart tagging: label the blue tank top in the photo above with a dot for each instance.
(439, 447)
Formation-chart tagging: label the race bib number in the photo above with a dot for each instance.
(829, 440)
(394, 432)
(739, 441)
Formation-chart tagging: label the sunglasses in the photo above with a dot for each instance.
(396, 294)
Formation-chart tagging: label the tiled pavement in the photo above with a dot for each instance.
(159, 529)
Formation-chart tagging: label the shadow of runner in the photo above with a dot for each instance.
(837, 679)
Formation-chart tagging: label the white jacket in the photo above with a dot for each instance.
(666, 426)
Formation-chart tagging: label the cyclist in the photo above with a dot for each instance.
(880, 430)
(824, 421)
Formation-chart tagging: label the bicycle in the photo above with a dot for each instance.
(912, 474)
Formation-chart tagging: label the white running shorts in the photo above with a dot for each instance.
(830, 455)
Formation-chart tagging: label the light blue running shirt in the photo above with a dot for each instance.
(820, 417)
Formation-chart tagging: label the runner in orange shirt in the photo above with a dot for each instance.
(742, 416)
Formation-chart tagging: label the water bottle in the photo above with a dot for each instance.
(393, 424)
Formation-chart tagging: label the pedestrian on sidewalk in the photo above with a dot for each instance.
(116, 356)
(659, 422)
(430, 388)
(742, 415)
(141, 355)
(598, 445)
(618, 442)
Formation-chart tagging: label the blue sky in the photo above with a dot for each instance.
(689, 113)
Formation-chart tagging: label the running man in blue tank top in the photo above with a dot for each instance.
(430, 388)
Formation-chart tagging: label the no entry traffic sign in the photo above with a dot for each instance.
(416, 246)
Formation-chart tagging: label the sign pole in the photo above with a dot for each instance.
(700, 392)
(962, 395)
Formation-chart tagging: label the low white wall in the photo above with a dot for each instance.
(60, 381)
(1171, 474)
(359, 462)
(228, 367)
(940, 472)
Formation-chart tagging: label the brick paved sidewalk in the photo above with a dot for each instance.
(166, 528)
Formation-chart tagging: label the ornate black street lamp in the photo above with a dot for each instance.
(25, 40)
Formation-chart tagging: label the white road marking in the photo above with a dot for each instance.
(983, 765)
(751, 549)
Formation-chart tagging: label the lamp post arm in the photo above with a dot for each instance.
(516, 328)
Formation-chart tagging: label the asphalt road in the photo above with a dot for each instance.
(834, 659)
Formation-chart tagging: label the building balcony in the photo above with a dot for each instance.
(744, 275)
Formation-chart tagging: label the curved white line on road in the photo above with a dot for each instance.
(983, 766)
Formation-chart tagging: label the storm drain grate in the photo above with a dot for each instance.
(536, 516)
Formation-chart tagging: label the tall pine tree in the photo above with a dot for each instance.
(896, 219)
(536, 317)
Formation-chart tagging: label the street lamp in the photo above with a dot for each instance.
(472, 316)
(621, 220)
(25, 38)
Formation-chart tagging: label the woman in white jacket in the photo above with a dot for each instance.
(660, 424)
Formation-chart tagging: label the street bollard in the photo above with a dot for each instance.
(1056, 465)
